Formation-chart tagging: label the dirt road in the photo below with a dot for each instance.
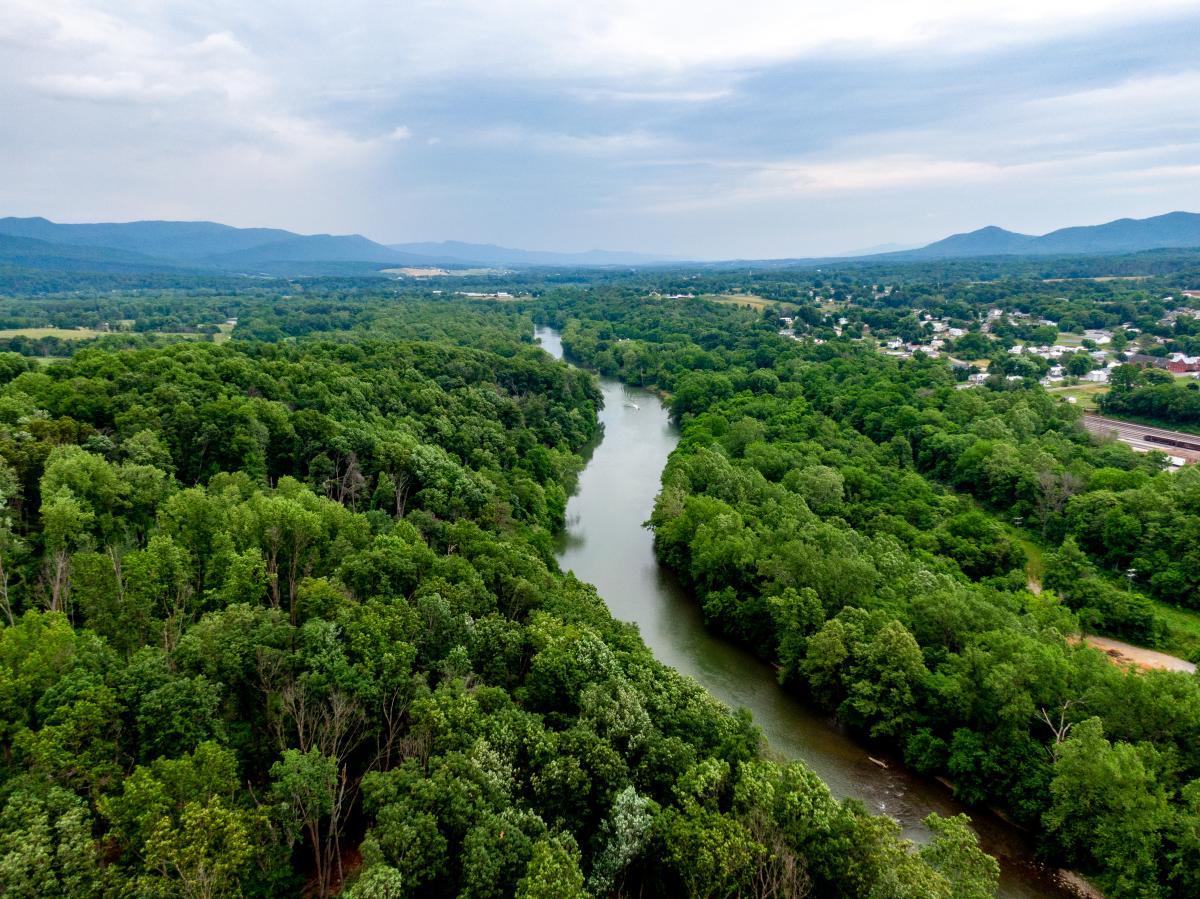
(1127, 654)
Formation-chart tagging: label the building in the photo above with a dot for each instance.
(1176, 363)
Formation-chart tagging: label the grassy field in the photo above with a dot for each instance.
(1074, 341)
(757, 303)
(1183, 630)
(1035, 564)
(90, 333)
(1182, 639)
(1085, 394)
(61, 333)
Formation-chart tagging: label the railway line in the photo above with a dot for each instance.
(1144, 439)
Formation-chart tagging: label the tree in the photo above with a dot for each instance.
(553, 871)
(309, 790)
(955, 854)
(1108, 810)
(623, 836)
(887, 672)
(10, 488)
(711, 854)
(46, 846)
(207, 851)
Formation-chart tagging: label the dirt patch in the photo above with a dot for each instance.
(1127, 654)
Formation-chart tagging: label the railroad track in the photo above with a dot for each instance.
(1144, 439)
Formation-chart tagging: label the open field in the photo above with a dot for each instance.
(1099, 278)
(1183, 630)
(420, 272)
(1035, 564)
(1085, 394)
(1074, 341)
(223, 334)
(60, 333)
(981, 364)
(755, 302)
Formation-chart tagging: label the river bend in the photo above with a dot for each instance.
(606, 544)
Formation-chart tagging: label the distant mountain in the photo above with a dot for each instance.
(205, 244)
(490, 254)
(314, 248)
(877, 249)
(989, 241)
(28, 252)
(1175, 230)
(190, 241)
(210, 245)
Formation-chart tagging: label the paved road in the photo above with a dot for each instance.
(1135, 435)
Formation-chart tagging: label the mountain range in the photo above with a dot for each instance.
(39, 242)
(208, 246)
(1175, 230)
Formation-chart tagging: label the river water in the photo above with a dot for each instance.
(605, 544)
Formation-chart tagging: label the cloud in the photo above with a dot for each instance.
(585, 144)
(694, 126)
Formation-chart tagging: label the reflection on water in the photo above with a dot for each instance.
(606, 545)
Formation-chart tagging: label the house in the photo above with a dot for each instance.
(1097, 376)
(1176, 363)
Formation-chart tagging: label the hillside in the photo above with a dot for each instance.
(1175, 230)
(29, 252)
(162, 244)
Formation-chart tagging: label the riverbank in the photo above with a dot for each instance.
(606, 544)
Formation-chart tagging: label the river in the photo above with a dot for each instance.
(605, 544)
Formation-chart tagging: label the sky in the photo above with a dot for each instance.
(694, 129)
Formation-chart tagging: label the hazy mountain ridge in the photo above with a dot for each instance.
(172, 246)
(497, 255)
(30, 252)
(1174, 230)
(214, 245)
(202, 244)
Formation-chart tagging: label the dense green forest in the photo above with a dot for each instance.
(851, 518)
(282, 615)
(279, 609)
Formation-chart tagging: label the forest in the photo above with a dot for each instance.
(280, 610)
(850, 517)
(282, 616)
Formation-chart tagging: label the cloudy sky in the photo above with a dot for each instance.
(701, 129)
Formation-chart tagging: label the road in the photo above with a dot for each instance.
(1135, 435)
(1128, 654)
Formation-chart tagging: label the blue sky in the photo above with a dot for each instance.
(696, 129)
